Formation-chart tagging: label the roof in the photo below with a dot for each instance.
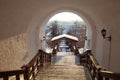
(64, 36)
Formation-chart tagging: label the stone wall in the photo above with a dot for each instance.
(13, 52)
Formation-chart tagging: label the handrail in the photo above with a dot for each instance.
(6, 74)
(95, 69)
(110, 74)
(39, 60)
(34, 58)
(94, 61)
(30, 70)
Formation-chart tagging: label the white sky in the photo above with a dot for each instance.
(66, 16)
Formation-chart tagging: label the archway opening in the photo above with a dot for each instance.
(64, 23)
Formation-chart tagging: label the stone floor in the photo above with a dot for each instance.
(63, 68)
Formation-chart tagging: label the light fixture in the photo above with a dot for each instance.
(85, 37)
(103, 32)
(44, 37)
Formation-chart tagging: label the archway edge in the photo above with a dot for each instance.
(86, 18)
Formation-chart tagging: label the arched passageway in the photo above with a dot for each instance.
(22, 32)
(91, 32)
(94, 39)
(22, 25)
(89, 43)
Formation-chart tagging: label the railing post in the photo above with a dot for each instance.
(5, 78)
(26, 72)
(41, 58)
(94, 73)
(99, 75)
(17, 77)
(50, 58)
(33, 70)
(106, 78)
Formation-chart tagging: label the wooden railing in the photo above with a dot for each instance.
(97, 72)
(16, 74)
(30, 70)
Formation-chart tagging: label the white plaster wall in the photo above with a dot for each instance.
(13, 52)
(42, 41)
(115, 43)
(31, 43)
(99, 46)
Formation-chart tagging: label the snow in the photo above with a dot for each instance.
(65, 36)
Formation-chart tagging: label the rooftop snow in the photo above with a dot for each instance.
(65, 36)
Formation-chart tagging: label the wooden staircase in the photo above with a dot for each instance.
(64, 68)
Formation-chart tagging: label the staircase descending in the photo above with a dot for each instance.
(63, 68)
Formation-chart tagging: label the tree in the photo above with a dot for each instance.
(54, 28)
(78, 29)
(51, 31)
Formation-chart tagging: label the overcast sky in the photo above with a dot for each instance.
(66, 16)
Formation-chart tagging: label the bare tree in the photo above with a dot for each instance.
(79, 30)
(51, 31)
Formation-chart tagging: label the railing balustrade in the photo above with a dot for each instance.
(30, 70)
(97, 72)
(6, 75)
